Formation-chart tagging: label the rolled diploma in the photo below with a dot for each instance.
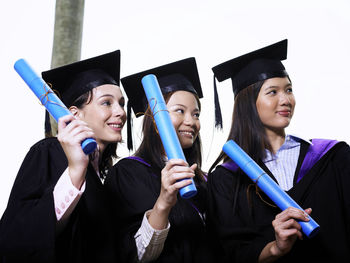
(165, 127)
(48, 98)
(266, 184)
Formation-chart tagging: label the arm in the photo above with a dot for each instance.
(133, 189)
(149, 241)
(174, 171)
(71, 184)
(287, 230)
(29, 222)
(66, 197)
(70, 137)
(230, 218)
(156, 226)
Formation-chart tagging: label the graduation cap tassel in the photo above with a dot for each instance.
(218, 116)
(47, 125)
(128, 126)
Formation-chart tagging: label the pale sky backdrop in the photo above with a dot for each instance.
(155, 32)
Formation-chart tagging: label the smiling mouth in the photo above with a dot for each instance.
(116, 126)
(187, 133)
(284, 113)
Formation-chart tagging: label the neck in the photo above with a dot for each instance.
(276, 138)
(101, 149)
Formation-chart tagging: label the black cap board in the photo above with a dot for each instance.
(250, 68)
(73, 80)
(179, 75)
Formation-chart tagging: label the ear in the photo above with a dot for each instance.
(74, 110)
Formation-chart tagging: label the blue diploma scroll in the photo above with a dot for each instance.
(48, 98)
(165, 127)
(267, 185)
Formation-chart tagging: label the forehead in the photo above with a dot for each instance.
(276, 82)
(107, 89)
(184, 98)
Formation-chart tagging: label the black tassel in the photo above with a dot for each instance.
(129, 126)
(218, 116)
(48, 132)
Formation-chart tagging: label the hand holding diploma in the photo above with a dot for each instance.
(48, 98)
(267, 185)
(165, 127)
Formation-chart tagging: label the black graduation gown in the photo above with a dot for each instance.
(28, 225)
(244, 227)
(134, 189)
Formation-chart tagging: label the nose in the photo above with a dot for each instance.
(118, 111)
(189, 119)
(285, 98)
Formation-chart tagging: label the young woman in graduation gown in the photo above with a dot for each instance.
(57, 208)
(155, 223)
(316, 173)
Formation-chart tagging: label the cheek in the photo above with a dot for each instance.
(260, 109)
(123, 115)
(293, 103)
(174, 119)
(198, 125)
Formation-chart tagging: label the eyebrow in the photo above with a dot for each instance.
(178, 104)
(110, 95)
(274, 87)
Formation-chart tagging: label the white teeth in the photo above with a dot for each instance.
(187, 133)
(115, 125)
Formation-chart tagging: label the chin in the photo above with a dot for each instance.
(114, 139)
(186, 145)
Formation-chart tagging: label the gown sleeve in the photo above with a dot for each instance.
(131, 189)
(27, 228)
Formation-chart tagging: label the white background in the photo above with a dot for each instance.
(155, 32)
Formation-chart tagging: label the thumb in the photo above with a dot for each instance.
(194, 166)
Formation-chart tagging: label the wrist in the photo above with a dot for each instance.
(161, 208)
(274, 250)
(77, 176)
(158, 217)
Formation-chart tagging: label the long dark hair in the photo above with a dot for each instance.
(106, 161)
(247, 129)
(151, 148)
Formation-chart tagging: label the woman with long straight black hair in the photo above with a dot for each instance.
(155, 223)
(316, 173)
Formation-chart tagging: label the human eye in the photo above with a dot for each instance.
(290, 90)
(179, 110)
(106, 103)
(196, 115)
(122, 102)
(271, 92)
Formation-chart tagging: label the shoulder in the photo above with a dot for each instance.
(223, 173)
(131, 163)
(133, 160)
(226, 168)
(328, 145)
(46, 148)
(42, 166)
(47, 143)
(130, 178)
(130, 169)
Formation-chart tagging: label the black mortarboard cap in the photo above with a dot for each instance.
(180, 75)
(250, 68)
(73, 80)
